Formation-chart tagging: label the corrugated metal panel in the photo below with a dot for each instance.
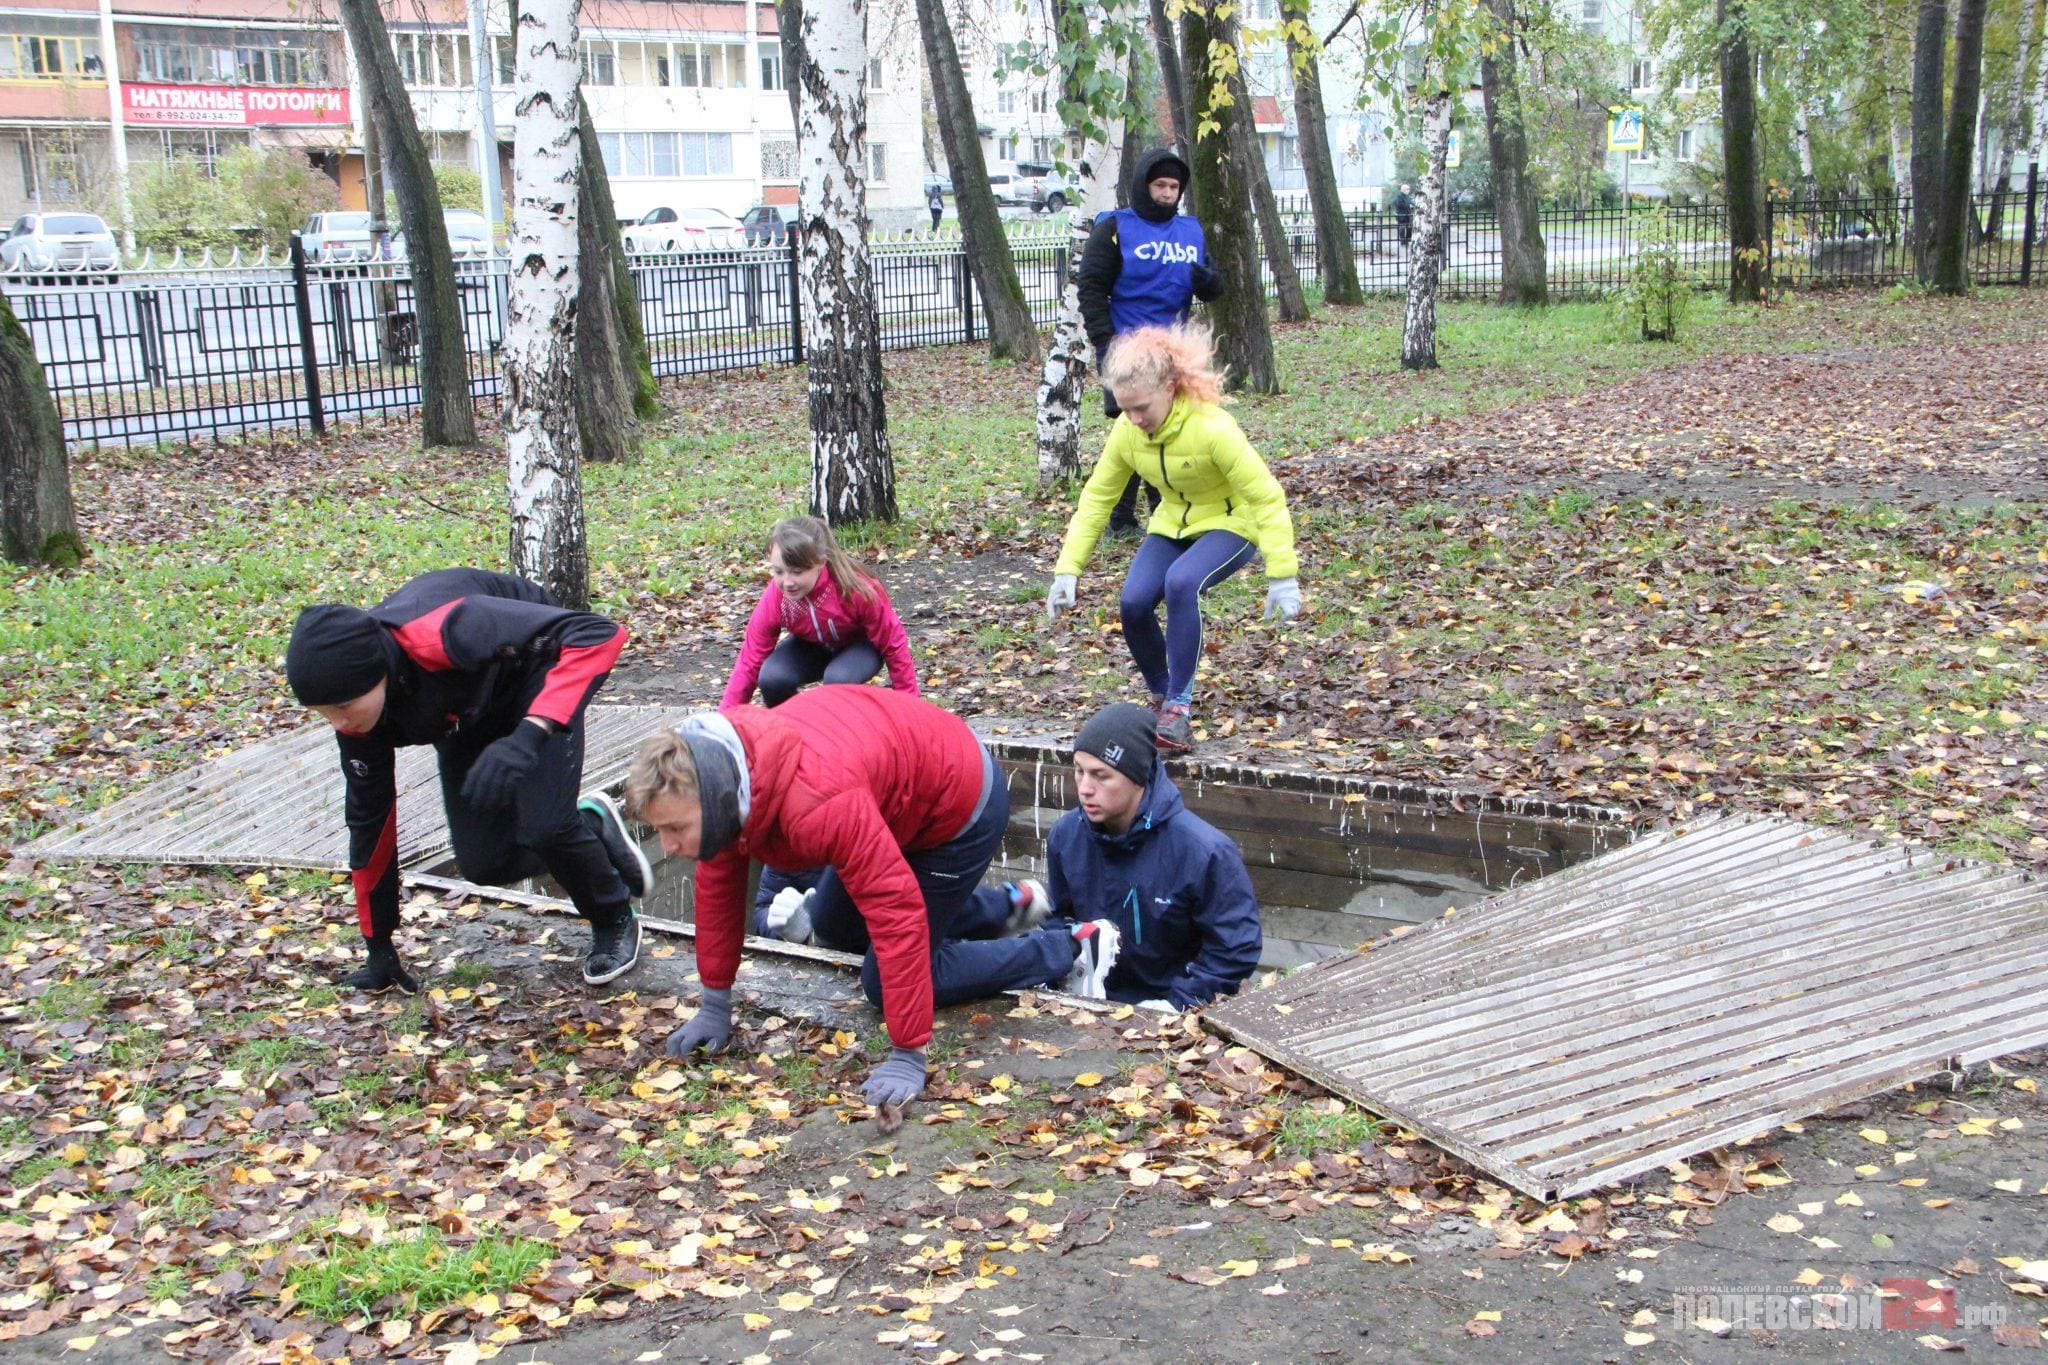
(1695, 988)
(278, 803)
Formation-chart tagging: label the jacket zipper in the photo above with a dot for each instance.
(1137, 905)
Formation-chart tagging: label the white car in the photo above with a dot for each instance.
(666, 230)
(66, 242)
(469, 239)
(332, 238)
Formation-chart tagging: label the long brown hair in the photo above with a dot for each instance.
(806, 541)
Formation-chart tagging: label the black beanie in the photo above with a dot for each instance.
(336, 655)
(718, 793)
(1122, 736)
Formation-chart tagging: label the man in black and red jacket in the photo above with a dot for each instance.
(487, 669)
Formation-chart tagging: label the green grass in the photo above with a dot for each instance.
(167, 1283)
(70, 1000)
(470, 974)
(177, 1190)
(410, 1273)
(1307, 1132)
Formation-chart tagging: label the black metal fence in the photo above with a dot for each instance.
(172, 354)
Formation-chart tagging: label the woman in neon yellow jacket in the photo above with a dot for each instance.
(1218, 503)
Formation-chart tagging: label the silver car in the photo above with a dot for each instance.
(332, 238)
(469, 240)
(59, 242)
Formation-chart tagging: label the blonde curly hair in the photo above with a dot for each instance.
(1181, 358)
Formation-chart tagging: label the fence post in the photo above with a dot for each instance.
(310, 363)
(796, 302)
(963, 276)
(2032, 229)
(1770, 246)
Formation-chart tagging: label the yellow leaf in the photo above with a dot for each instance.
(754, 1322)
(1087, 1079)
(794, 1303)
(921, 1313)
(1784, 1222)
(395, 1331)
(2009, 1186)
(2025, 1083)
(1487, 1315)
(1638, 1338)
(1813, 1210)
(1876, 1135)
(1848, 1200)
(81, 1343)
(1238, 1270)
(1808, 1278)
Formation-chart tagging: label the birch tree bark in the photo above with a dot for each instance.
(38, 522)
(1063, 385)
(447, 417)
(2014, 123)
(542, 446)
(1418, 321)
(1012, 335)
(1335, 261)
(1223, 201)
(853, 474)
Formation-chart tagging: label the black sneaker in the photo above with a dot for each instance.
(619, 844)
(1176, 730)
(1120, 529)
(614, 948)
(381, 973)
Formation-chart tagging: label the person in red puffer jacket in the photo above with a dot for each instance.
(840, 624)
(905, 810)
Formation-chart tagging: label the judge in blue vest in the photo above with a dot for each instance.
(1144, 267)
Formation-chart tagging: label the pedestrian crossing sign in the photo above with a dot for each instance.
(1454, 151)
(1625, 129)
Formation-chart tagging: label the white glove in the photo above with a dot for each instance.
(789, 915)
(1283, 599)
(1060, 595)
(1163, 1006)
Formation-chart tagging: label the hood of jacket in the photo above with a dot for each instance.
(1150, 165)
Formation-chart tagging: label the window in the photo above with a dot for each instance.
(878, 163)
(1643, 74)
(201, 145)
(1689, 84)
(1591, 11)
(1006, 149)
(1006, 101)
(666, 156)
(771, 68)
(600, 66)
(1645, 154)
(508, 61)
(47, 56)
(778, 159)
(243, 56)
(877, 80)
(433, 61)
(1040, 101)
(1044, 148)
(1684, 151)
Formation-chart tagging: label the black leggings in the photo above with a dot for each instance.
(797, 663)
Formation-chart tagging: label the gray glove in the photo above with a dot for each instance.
(710, 1028)
(894, 1084)
(1283, 599)
(1060, 595)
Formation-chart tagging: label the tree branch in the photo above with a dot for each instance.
(1349, 14)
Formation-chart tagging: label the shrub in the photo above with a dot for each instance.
(273, 190)
(1661, 284)
(177, 204)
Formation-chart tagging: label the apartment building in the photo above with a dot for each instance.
(688, 98)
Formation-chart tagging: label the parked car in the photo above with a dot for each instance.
(64, 242)
(332, 238)
(767, 225)
(469, 237)
(1040, 186)
(669, 230)
(1006, 188)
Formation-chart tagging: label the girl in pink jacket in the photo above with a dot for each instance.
(840, 625)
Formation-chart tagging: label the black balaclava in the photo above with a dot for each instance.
(1160, 160)
(336, 655)
(1122, 736)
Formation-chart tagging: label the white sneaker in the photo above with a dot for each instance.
(1032, 908)
(1095, 956)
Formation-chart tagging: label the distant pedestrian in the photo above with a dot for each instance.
(1404, 216)
(936, 202)
(1144, 266)
(832, 616)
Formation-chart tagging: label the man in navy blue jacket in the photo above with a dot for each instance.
(1144, 266)
(487, 669)
(1175, 887)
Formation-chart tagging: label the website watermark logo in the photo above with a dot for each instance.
(1897, 1304)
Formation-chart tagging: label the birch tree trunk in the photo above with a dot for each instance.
(38, 523)
(447, 417)
(1418, 322)
(1524, 264)
(1012, 335)
(541, 440)
(853, 475)
(1930, 60)
(1223, 201)
(1063, 386)
(1952, 246)
(1335, 260)
(2013, 125)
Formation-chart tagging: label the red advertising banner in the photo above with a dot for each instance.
(233, 106)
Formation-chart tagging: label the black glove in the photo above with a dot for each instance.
(1203, 279)
(495, 777)
(381, 972)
